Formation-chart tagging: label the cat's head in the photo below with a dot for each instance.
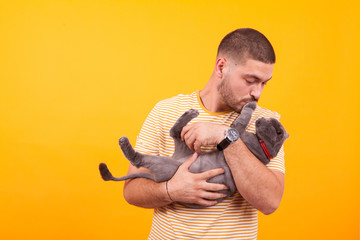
(271, 132)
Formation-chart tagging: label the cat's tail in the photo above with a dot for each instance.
(107, 176)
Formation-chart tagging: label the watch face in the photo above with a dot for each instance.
(232, 134)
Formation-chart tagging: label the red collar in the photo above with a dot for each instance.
(266, 151)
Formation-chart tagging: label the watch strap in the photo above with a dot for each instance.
(223, 144)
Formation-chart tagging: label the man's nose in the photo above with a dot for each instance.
(256, 91)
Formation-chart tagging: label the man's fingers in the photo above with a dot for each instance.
(190, 161)
(206, 203)
(214, 187)
(184, 131)
(197, 147)
(190, 142)
(193, 187)
(211, 173)
(212, 195)
(189, 139)
(209, 198)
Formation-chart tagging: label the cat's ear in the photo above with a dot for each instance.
(279, 128)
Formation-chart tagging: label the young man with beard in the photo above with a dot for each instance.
(244, 65)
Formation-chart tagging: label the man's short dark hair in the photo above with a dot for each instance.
(244, 43)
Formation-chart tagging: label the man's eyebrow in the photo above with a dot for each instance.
(256, 77)
(268, 79)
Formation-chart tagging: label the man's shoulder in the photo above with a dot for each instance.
(178, 101)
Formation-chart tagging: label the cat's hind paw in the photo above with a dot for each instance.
(184, 119)
(105, 173)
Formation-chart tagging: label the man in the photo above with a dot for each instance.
(244, 65)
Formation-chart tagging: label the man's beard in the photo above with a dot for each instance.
(229, 97)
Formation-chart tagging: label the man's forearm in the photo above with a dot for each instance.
(145, 193)
(260, 186)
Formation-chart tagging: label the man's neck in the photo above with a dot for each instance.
(211, 98)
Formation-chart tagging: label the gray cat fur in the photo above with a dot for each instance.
(163, 168)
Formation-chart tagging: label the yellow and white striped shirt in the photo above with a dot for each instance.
(233, 218)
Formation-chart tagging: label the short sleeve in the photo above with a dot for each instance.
(147, 141)
(278, 162)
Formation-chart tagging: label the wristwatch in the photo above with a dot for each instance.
(231, 135)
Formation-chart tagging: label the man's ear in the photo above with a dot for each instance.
(219, 67)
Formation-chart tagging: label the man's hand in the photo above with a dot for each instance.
(202, 134)
(193, 188)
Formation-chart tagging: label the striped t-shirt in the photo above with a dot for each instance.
(233, 218)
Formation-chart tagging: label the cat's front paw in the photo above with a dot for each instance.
(250, 105)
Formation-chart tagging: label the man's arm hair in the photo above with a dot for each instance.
(261, 187)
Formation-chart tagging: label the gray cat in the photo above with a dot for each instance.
(270, 136)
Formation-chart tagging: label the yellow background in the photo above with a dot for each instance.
(77, 75)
